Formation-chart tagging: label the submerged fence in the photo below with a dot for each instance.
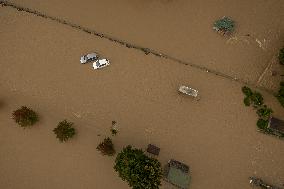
(145, 50)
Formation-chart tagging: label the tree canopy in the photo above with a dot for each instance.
(139, 170)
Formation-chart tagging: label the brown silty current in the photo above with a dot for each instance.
(216, 136)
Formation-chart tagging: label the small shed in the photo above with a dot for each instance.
(177, 173)
(276, 125)
(152, 149)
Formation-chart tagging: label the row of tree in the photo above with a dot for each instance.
(280, 94)
(131, 164)
(26, 117)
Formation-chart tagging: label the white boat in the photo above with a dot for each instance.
(188, 91)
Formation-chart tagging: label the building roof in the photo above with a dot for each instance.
(177, 174)
(276, 124)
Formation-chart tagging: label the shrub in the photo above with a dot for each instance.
(257, 99)
(64, 131)
(113, 129)
(25, 116)
(106, 147)
(224, 25)
(280, 95)
(139, 170)
(247, 101)
(262, 124)
(281, 100)
(252, 97)
(281, 56)
(247, 91)
(264, 112)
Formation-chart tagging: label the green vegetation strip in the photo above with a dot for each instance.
(280, 94)
(264, 113)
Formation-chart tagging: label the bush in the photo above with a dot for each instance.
(25, 116)
(264, 112)
(247, 91)
(224, 25)
(247, 101)
(280, 95)
(106, 147)
(252, 97)
(64, 131)
(140, 171)
(262, 124)
(281, 56)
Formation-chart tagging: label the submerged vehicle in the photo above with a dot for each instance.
(89, 58)
(101, 63)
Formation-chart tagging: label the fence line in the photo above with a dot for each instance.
(145, 50)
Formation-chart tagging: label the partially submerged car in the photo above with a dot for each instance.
(101, 63)
(89, 58)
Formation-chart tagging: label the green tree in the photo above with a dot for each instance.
(247, 91)
(252, 97)
(262, 124)
(25, 116)
(139, 170)
(264, 112)
(64, 131)
(247, 101)
(257, 99)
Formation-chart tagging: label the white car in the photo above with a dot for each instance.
(89, 58)
(101, 63)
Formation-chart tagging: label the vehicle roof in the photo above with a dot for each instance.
(92, 54)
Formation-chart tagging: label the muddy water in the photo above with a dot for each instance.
(215, 136)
